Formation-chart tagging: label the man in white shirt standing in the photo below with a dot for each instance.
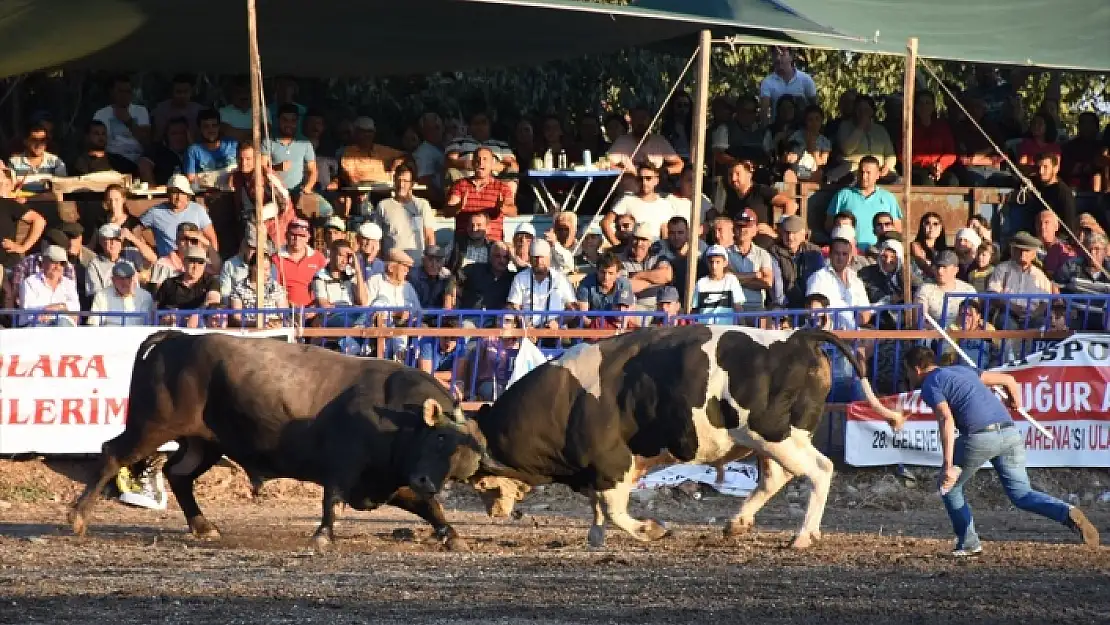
(128, 123)
(839, 283)
(646, 206)
(540, 288)
(784, 80)
(123, 296)
(50, 291)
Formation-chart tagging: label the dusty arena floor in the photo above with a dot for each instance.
(877, 564)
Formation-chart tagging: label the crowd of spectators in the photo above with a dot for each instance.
(341, 252)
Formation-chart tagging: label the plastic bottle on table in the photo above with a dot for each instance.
(548, 160)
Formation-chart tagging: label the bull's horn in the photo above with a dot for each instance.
(433, 413)
(458, 416)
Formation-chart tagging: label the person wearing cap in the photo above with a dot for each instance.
(460, 153)
(655, 149)
(365, 160)
(797, 258)
(743, 193)
(110, 240)
(122, 295)
(1091, 266)
(522, 246)
(1020, 274)
(179, 207)
(430, 280)
(244, 295)
(646, 206)
(865, 200)
(718, 294)
(33, 264)
(645, 270)
(669, 303)
(76, 249)
(291, 158)
(624, 302)
(839, 283)
(35, 160)
(240, 267)
(174, 263)
(407, 221)
(590, 249)
(1054, 251)
(50, 291)
(540, 288)
(192, 289)
(12, 215)
(482, 193)
(212, 152)
(335, 229)
(601, 288)
(391, 288)
(751, 263)
(368, 247)
(931, 295)
(297, 263)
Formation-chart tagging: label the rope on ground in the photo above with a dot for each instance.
(1026, 184)
(654, 120)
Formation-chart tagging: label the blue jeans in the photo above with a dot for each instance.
(1005, 450)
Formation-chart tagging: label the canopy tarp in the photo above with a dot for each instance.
(1064, 34)
(344, 37)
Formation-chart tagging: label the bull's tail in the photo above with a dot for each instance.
(152, 341)
(822, 336)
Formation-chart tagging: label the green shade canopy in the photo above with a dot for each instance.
(341, 37)
(1064, 34)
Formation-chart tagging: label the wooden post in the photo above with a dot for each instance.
(256, 140)
(697, 150)
(907, 168)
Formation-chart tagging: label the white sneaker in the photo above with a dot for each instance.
(149, 490)
(967, 553)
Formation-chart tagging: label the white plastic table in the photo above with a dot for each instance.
(581, 184)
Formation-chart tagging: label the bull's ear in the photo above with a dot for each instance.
(433, 412)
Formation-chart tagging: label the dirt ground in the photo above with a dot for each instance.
(883, 560)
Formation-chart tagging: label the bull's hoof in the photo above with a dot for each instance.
(653, 530)
(737, 527)
(77, 521)
(805, 540)
(454, 543)
(321, 544)
(204, 529)
(596, 538)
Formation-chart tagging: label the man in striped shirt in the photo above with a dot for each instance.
(481, 194)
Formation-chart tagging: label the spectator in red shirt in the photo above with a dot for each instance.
(481, 193)
(297, 263)
(934, 148)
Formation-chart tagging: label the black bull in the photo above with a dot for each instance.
(371, 432)
(599, 416)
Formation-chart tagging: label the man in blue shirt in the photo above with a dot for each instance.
(601, 290)
(961, 400)
(865, 201)
(293, 159)
(212, 152)
(163, 219)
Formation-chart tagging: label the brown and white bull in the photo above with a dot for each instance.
(599, 416)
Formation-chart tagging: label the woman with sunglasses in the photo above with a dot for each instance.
(931, 239)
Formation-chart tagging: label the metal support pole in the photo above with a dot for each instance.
(697, 150)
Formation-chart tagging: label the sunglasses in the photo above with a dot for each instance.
(932, 223)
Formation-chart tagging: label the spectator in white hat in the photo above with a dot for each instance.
(50, 291)
(368, 240)
(335, 229)
(407, 221)
(163, 219)
(647, 271)
(540, 288)
(522, 246)
(839, 283)
(122, 295)
(719, 293)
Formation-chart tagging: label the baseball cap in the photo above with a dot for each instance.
(434, 251)
(365, 123)
(123, 269)
(370, 230)
(946, 258)
(250, 237)
(668, 294)
(73, 229)
(747, 216)
(716, 250)
(56, 254)
(337, 223)
(625, 298)
(56, 237)
(299, 225)
(110, 231)
(792, 223)
(1025, 241)
(526, 229)
(180, 183)
(972, 237)
(644, 231)
(540, 248)
(845, 232)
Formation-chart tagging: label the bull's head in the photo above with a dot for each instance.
(451, 447)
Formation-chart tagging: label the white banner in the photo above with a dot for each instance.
(64, 390)
(1063, 387)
